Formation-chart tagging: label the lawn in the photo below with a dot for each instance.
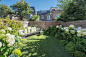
(43, 46)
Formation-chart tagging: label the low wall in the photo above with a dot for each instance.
(43, 24)
(81, 23)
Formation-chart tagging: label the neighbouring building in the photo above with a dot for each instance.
(44, 15)
(49, 15)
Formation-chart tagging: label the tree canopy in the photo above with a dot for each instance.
(22, 8)
(4, 10)
(73, 10)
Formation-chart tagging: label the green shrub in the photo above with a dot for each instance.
(64, 42)
(79, 54)
(70, 47)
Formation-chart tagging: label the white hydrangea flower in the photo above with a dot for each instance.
(57, 26)
(9, 45)
(83, 33)
(8, 34)
(9, 28)
(62, 28)
(72, 26)
(79, 35)
(79, 32)
(67, 30)
(0, 44)
(72, 31)
(10, 39)
(3, 31)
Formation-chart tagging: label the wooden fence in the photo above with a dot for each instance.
(43, 24)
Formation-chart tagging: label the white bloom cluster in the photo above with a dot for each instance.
(71, 26)
(9, 28)
(72, 31)
(79, 33)
(0, 44)
(10, 39)
(57, 26)
(3, 31)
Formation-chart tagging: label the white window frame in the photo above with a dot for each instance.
(48, 17)
(42, 17)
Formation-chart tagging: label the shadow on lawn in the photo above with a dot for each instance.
(48, 47)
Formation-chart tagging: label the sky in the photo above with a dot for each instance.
(38, 4)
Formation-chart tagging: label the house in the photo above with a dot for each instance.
(44, 15)
(49, 15)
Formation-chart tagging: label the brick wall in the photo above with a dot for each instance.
(81, 23)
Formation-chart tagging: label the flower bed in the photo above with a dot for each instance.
(10, 41)
(10, 44)
(74, 40)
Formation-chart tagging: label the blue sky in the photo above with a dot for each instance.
(38, 4)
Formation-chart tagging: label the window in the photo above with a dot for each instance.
(31, 15)
(48, 17)
(42, 17)
(57, 16)
(31, 9)
(53, 9)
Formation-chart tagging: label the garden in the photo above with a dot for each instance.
(52, 42)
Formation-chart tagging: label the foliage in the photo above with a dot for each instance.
(72, 11)
(15, 25)
(4, 10)
(9, 42)
(34, 18)
(17, 52)
(74, 41)
(21, 8)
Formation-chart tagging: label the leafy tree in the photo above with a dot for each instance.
(75, 10)
(21, 9)
(34, 18)
(4, 10)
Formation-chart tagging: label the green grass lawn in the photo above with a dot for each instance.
(43, 46)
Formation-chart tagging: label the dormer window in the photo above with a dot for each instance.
(31, 9)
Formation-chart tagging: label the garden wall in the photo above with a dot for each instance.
(81, 23)
(43, 24)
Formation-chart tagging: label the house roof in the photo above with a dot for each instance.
(33, 8)
(43, 12)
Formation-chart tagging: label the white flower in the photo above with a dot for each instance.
(8, 34)
(9, 28)
(71, 26)
(3, 31)
(72, 31)
(67, 30)
(57, 26)
(62, 28)
(83, 33)
(0, 44)
(9, 45)
(79, 32)
(78, 35)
